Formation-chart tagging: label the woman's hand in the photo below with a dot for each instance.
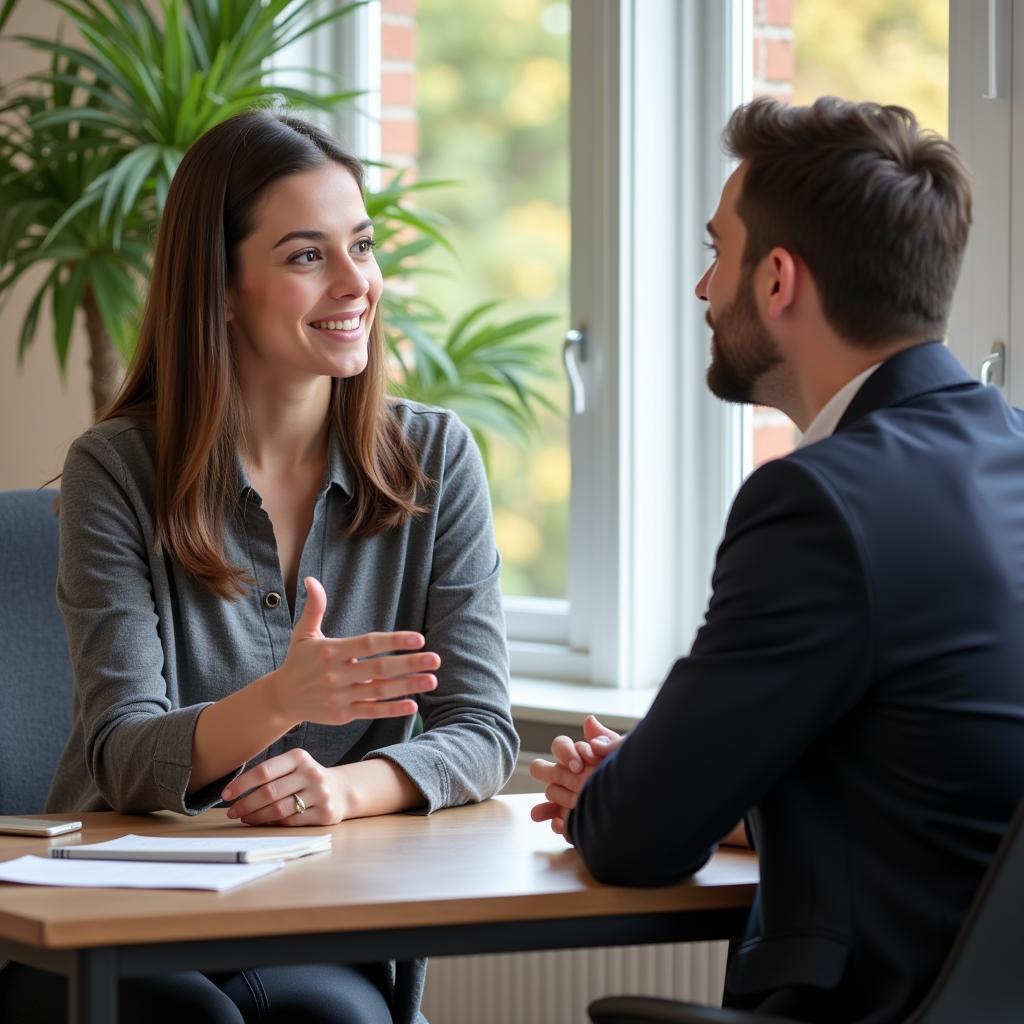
(271, 788)
(333, 682)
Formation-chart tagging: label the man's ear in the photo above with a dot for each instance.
(781, 273)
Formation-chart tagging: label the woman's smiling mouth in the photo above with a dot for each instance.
(340, 325)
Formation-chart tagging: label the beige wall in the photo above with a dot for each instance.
(39, 414)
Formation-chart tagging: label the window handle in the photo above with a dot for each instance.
(993, 366)
(574, 352)
(993, 82)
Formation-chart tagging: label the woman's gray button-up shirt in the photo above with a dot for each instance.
(151, 647)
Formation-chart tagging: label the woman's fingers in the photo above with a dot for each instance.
(266, 772)
(334, 682)
(279, 811)
(370, 645)
(388, 689)
(382, 709)
(390, 667)
(269, 791)
(276, 795)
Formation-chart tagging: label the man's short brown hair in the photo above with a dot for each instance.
(878, 209)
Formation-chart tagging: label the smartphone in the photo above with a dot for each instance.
(10, 825)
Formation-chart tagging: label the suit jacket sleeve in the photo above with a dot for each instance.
(784, 653)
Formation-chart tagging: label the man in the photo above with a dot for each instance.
(856, 693)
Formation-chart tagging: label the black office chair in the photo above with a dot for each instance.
(35, 670)
(981, 982)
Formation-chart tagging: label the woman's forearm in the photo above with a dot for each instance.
(233, 730)
(376, 786)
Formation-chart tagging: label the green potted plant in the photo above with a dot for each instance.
(87, 152)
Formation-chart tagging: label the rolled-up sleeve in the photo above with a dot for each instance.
(137, 744)
(468, 748)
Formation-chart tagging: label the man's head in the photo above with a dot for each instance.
(877, 211)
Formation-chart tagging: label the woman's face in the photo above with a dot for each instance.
(307, 285)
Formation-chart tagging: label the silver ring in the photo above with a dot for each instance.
(300, 804)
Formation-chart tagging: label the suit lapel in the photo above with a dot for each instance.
(907, 375)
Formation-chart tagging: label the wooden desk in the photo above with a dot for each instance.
(476, 879)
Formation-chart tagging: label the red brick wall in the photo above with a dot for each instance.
(774, 71)
(400, 137)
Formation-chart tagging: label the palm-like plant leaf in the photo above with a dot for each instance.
(88, 150)
(495, 386)
(154, 92)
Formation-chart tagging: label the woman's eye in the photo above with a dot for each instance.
(711, 248)
(365, 246)
(306, 257)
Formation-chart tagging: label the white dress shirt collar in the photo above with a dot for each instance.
(824, 424)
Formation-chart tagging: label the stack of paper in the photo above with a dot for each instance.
(155, 862)
(106, 874)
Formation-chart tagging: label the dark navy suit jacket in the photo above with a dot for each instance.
(856, 691)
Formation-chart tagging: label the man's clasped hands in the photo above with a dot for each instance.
(575, 761)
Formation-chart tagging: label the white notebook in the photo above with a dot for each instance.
(243, 850)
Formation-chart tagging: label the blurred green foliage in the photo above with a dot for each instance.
(892, 51)
(494, 116)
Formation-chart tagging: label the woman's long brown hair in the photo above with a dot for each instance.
(182, 377)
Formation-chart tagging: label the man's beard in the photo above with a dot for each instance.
(742, 351)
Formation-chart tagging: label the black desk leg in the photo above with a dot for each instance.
(92, 987)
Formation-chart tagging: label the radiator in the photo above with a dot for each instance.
(555, 988)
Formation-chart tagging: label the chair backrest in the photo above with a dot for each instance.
(982, 981)
(35, 672)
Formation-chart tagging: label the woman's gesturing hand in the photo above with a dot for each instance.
(270, 790)
(335, 681)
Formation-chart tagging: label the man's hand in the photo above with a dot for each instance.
(575, 762)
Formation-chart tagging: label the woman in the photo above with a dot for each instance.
(251, 521)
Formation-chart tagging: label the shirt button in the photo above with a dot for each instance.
(272, 599)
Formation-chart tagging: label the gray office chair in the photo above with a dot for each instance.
(35, 672)
(981, 982)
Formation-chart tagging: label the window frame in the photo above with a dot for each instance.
(350, 50)
(648, 82)
(988, 130)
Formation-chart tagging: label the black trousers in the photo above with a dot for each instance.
(303, 994)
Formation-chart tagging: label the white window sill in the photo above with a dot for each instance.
(561, 703)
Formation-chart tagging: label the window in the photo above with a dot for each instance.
(655, 460)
